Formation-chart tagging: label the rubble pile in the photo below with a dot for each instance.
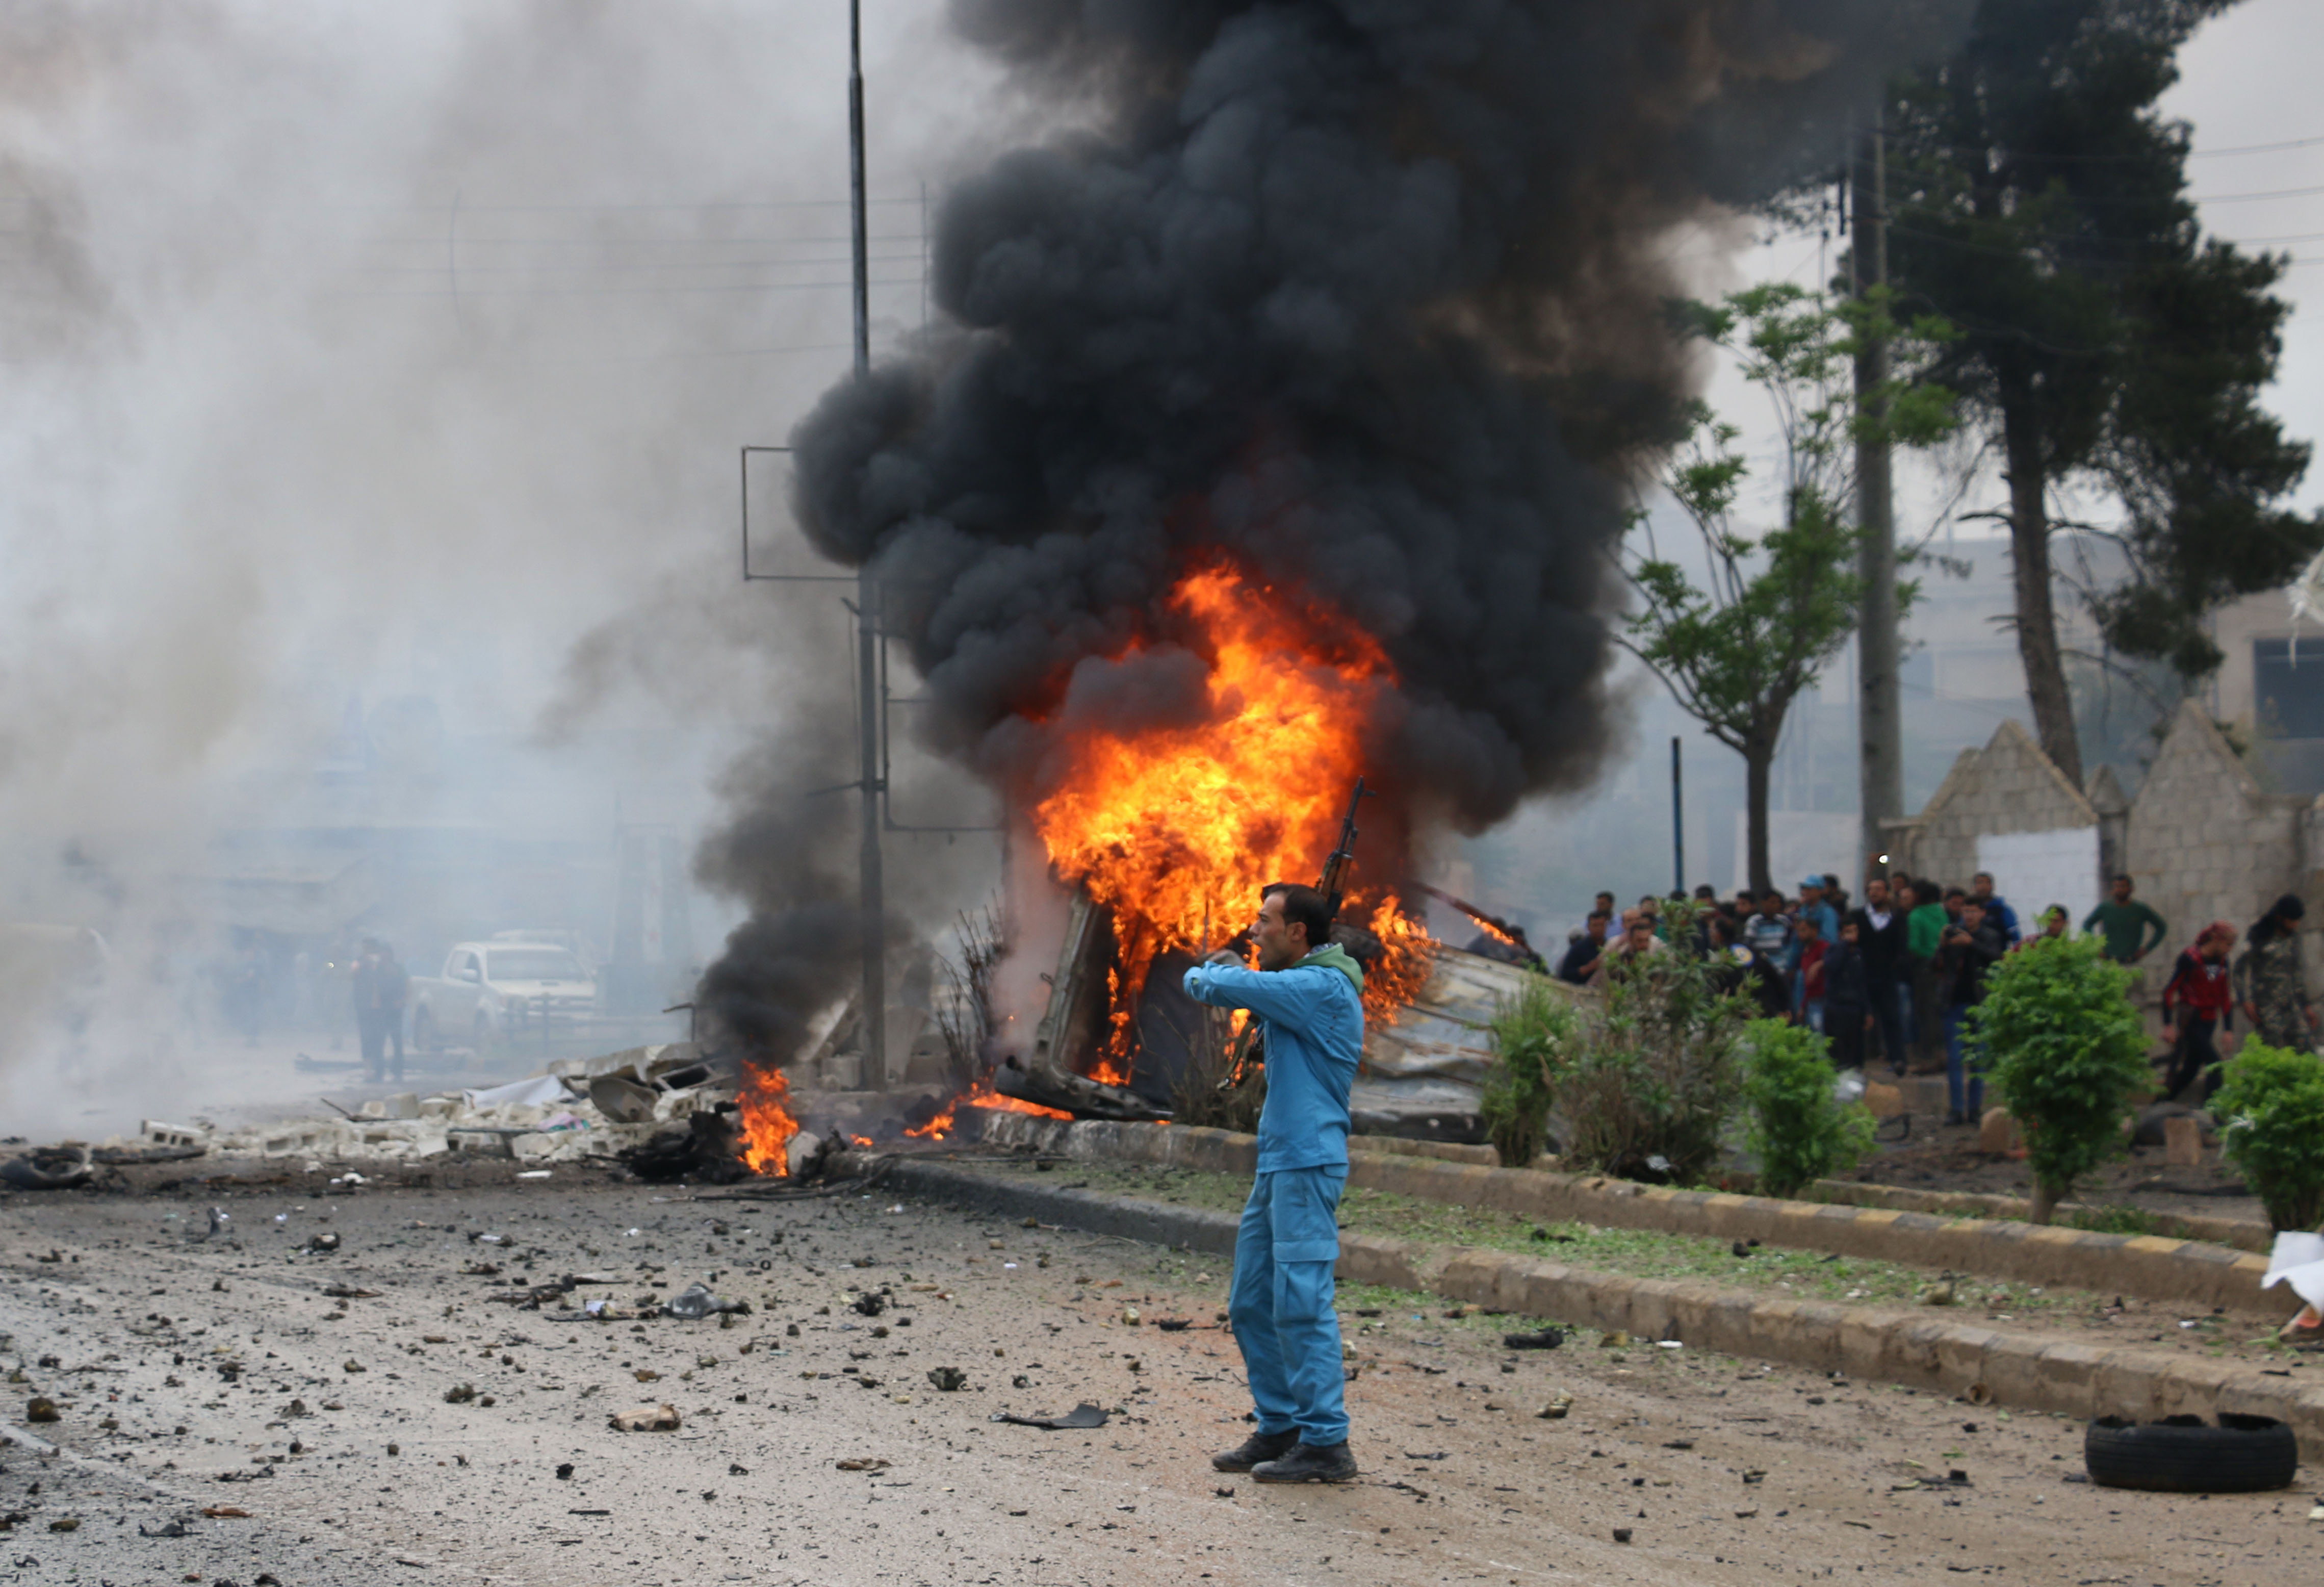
(574, 1110)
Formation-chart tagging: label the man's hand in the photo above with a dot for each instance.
(2251, 1012)
(1223, 960)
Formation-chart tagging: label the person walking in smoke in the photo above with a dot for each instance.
(1308, 995)
(2269, 982)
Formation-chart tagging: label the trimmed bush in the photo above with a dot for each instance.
(1799, 1129)
(1532, 1033)
(1649, 1092)
(2271, 1107)
(2065, 1049)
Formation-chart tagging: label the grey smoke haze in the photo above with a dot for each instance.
(1366, 295)
(401, 350)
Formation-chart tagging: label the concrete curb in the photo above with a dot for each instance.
(2027, 1371)
(2191, 1273)
(2242, 1234)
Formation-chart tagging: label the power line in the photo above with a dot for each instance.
(467, 269)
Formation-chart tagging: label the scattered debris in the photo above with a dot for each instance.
(225, 1512)
(696, 1302)
(1080, 1418)
(40, 1408)
(1557, 1407)
(1547, 1339)
(862, 1463)
(646, 1419)
(949, 1380)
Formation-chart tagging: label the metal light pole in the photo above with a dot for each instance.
(1879, 703)
(874, 1010)
(1678, 818)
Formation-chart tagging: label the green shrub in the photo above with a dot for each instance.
(2065, 1048)
(1531, 1034)
(2271, 1105)
(1649, 1091)
(1799, 1131)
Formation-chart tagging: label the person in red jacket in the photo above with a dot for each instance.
(2202, 1000)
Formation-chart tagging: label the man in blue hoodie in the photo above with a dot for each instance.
(1308, 995)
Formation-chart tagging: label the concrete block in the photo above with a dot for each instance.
(2071, 1370)
(1371, 1259)
(2127, 1384)
(1997, 1132)
(1885, 1101)
(2015, 1374)
(2183, 1143)
(1960, 1356)
(1912, 1353)
(2192, 1389)
(1863, 1337)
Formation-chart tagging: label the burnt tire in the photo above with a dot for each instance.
(2182, 1455)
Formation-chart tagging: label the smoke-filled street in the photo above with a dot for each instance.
(222, 1373)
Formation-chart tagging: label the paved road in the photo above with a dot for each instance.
(233, 1379)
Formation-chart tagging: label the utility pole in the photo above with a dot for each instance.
(1678, 819)
(1879, 720)
(874, 1010)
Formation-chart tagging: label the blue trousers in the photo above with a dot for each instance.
(1280, 1304)
(1964, 1060)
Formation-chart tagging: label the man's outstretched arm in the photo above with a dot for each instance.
(1284, 996)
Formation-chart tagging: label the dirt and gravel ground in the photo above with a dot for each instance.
(219, 1372)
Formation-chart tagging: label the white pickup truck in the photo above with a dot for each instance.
(493, 990)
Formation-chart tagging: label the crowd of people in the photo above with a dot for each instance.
(1893, 976)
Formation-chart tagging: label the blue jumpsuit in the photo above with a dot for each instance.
(1313, 1017)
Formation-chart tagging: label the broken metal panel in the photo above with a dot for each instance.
(1071, 1024)
(1424, 1074)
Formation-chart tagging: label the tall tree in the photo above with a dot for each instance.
(1774, 606)
(2039, 204)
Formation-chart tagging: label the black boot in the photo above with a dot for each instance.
(1257, 1447)
(1307, 1463)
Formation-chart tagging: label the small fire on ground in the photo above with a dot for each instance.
(981, 1096)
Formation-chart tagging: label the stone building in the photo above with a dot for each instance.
(2007, 809)
(2205, 838)
(2205, 841)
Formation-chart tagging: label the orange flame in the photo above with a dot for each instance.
(981, 1096)
(1175, 829)
(1407, 956)
(768, 1123)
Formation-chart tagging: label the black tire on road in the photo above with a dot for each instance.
(2181, 1454)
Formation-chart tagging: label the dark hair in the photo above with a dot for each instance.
(1601, 914)
(2125, 876)
(2283, 912)
(1302, 906)
(1955, 892)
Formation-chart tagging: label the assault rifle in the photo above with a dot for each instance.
(1334, 884)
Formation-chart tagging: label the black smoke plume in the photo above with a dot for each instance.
(1367, 296)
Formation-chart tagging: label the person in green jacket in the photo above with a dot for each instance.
(2123, 920)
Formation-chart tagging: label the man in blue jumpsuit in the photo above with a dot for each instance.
(1309, 1003)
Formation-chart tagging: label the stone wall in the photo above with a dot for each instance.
(2206, 842)
(2008, 786)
